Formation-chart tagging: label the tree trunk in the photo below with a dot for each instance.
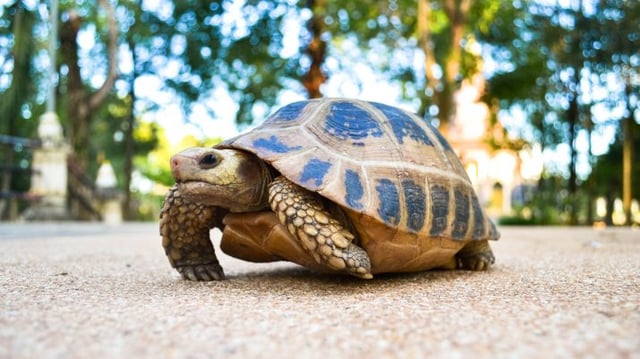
(590, 185)
(457, 11)
(129, 143)
(439, 91)
(15, 95)
(627, 156)
(426, 44)
(572, 118)
(81, 104)
(316, 50)
(611, 197)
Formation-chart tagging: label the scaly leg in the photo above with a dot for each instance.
(476, 255)
(184, 227)
(318, 231)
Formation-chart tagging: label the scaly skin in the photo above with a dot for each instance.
(318, 231)
(476, 256)
(184, 227)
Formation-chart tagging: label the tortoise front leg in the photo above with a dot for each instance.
(319, 232)
(184, 227)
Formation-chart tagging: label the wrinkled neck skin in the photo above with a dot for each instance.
(237, 182)
(253, 195)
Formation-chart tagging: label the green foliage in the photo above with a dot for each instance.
(561, 64)
(390, 36)
(544, 53)
(549, 52)
(607, 170)
(107, 143)
(549, 204)
(19, 115)
(206, 48)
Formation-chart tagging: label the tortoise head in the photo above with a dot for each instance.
(226, 178)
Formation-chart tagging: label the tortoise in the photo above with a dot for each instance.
(335, 185)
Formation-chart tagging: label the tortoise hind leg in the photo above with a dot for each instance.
(184, 227)
(319, 232)
(476, 255)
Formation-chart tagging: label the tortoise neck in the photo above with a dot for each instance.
(257, 194)
(262, 187)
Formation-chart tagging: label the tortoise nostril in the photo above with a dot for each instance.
(175, 162)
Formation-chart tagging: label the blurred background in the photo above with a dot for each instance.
(538, 97)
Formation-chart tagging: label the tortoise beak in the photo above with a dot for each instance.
(186, 165)
(179, 163)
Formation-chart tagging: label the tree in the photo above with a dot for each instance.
(621, 19)
(316, 49)
(82, 103)
(16, 32)
(604, 176)
(438, 31)
(557, 59)
(549, 56)
(195, 49)
(442, 87)
(211, 48)
(84, 97)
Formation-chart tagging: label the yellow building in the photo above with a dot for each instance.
(498, 166)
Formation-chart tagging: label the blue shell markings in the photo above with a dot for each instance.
(315, 170)
(478, 218)
(273, 144)
(389, 209)
(416, 204)
(439, 208)
(348, 121)
(290, 112)
(354, 189)
(461, 221)
(403, 125)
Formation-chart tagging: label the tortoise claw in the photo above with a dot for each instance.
(476, 256)
(201, 272)
(479, 262)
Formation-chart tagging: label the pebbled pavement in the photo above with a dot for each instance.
(73, 290)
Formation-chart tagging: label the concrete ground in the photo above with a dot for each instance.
(92, 291)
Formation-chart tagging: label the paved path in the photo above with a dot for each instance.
(93, 291)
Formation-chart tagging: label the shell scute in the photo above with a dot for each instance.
(290, 112)
(415, 199)
(354, 189)
(314, 172)
(376, 161)
(273, 144)
(403, 125)
(439, 208)
(346, 121)
(461, 219)
(388, 202)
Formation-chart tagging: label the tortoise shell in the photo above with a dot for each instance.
(379, 163)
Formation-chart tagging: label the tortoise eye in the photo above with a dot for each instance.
(208, 161)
